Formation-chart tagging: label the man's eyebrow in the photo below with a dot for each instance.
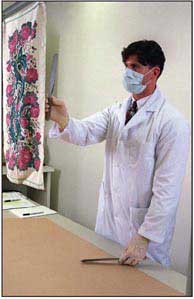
(132, 64)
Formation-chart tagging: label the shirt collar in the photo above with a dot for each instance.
(140, 102)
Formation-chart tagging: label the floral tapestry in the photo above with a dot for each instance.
(24, 51)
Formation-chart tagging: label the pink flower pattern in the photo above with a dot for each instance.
(23, 109)
(31, 75)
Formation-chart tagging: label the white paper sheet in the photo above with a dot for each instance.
(14, 200)
(33, 212)
(15, 204)
(13, 195)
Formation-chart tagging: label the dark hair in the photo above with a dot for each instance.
(148, 52)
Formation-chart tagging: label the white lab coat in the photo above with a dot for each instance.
(144, 167)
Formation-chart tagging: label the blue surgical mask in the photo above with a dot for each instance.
(132, 81)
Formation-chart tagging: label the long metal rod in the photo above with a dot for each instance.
(7, 12)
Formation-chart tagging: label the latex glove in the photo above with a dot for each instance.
(136, 250)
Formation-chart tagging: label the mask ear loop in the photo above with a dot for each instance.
(146, 74)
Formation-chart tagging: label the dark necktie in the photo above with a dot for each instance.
(131, 111)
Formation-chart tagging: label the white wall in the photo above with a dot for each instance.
(89, 38)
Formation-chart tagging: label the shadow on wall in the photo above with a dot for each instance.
(46, 151)
(54, 195)
(55, 189)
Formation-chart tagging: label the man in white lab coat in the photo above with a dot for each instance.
(147, 145)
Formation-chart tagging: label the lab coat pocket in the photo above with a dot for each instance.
(146, 163)
(147, 150)
(137, 216)
(138, 151)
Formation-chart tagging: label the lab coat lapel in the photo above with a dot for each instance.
(123, 110)
(138, 118)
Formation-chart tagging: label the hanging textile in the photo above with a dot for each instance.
(24, 51)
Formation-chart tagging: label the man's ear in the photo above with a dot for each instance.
(157, 72)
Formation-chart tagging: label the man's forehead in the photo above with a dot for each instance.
(132, 59)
